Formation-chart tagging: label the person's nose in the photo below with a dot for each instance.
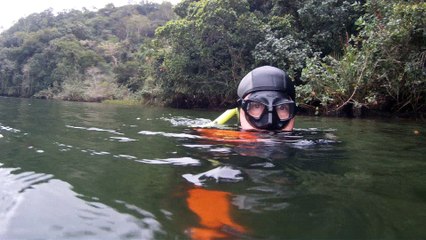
(270, 120)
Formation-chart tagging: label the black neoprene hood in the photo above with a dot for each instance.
(266, 78)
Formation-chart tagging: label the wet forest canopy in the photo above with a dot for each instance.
(344, 56)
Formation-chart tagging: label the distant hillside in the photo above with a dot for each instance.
(78, 55)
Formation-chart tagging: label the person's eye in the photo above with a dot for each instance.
(282, 107)
(283, 111)
(257, 105)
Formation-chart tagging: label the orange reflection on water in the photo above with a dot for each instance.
(229, 136)
(213, 209)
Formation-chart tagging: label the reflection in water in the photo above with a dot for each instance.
(95, 129)
(174, 135)
(9, 129)
(186, 121)
(214, 211)
(184, 161)
(267, 155)
(220, 174)
(37, 205)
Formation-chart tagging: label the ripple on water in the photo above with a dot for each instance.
(183, 161)
(201, 146)
(123, 139)
(95, 129)
(130, 157)
(165, 134)
(187, 122)
(12, 190)
(96, 153)
(219, 174)
(35, 149)
(37, 205)
(9, 129)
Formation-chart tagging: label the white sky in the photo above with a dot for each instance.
(12, 11)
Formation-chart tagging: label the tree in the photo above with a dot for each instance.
(210, 50)
(327, 24)
(286, 53)
(44, 54)
(383, 69)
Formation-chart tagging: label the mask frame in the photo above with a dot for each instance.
(269, 119)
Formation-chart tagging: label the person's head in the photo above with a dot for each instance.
(267, 100)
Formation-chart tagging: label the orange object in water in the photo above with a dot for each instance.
(228, 135)
(213, 209)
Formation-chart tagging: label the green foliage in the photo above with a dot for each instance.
(324, 85)
(384, 69)
(326, 24)
(126, 75)
(208, 50)
(286, 53)
(50, 56)
(215, 43)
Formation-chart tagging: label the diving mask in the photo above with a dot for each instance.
(270, 110)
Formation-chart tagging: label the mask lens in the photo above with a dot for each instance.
(255, 109)
(283, 111)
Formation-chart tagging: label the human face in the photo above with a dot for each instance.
(267, 110)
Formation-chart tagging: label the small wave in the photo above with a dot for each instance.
(36, 214)
(304, 143)
(260, 202)
(309, 143)
(201, 146)
(263, 165)
(219, 174)
(95, 129)
(123, 139)
(315, 130)
(36, 149)
(63, 147)
(326, 141)
(9, 129)
(209, 147)
(221, 150)
(183, 161)
(187, 122)
(94, 152)
(149, 225)
(11, 192)
(175, 135)
(130, 157)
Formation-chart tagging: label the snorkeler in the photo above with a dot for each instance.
(266, 101)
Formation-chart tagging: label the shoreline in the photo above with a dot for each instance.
(350, 113)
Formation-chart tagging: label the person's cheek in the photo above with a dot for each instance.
(243, 121)
(289, 126)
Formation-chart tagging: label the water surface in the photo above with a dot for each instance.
(95, 171)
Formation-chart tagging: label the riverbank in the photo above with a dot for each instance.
(305, 110)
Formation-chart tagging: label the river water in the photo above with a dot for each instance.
(95, 171)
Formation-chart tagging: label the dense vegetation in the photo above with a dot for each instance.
(344, 56)
(78, 55)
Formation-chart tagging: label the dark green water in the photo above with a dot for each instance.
(94, 171)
